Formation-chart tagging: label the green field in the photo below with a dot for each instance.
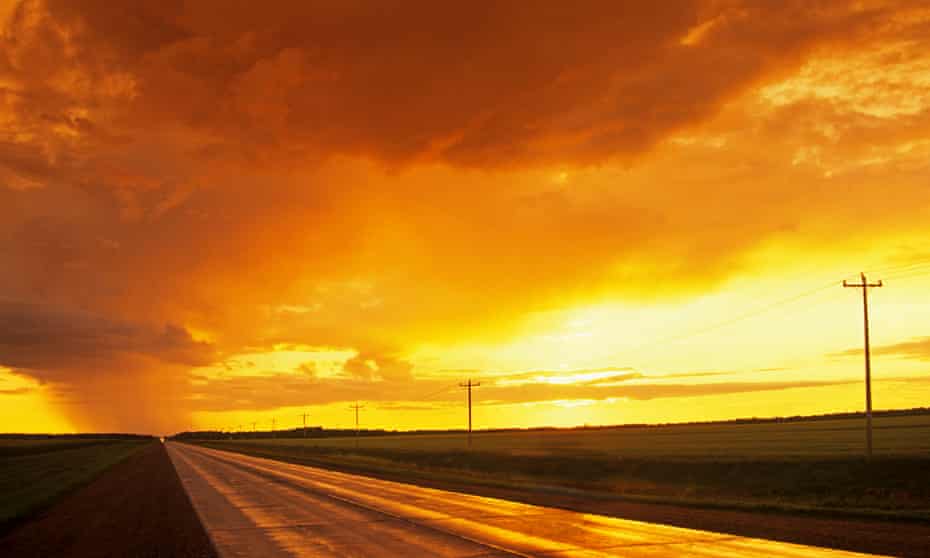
(808, 466)
(893, 436)
(19, 447)
(35, 472)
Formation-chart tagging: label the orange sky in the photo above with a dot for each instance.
(214, 213)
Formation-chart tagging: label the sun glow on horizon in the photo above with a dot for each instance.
(24, 397)
(590, 227)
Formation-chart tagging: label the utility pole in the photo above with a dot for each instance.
(272, 426)
(865, 285)
(469, 384)
(305, 415)
(253, 428)
(356, 407)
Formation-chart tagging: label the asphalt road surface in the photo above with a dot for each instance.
(259, 507)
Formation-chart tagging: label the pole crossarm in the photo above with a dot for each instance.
(861, 285)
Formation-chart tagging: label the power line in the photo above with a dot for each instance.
(911, 269)
(440, 391)
(898, 267)
(688, 334)
(907, 274)
(738, 318)
(433, 394)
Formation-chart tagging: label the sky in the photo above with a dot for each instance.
(215, 213)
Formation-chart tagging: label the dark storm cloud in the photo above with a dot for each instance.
(476, 84)
(45, 340)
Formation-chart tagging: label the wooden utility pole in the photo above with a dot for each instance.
(305, 415)
(356, 407)
(865, 285)
(469, 384)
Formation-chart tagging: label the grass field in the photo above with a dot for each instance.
(806, 466)
(893, 436)
(33, 473)
(20, 447)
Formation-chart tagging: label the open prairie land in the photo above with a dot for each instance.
(897, 436)
(809, 466)
(35, 472)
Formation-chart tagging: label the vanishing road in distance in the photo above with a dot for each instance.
(259, 507)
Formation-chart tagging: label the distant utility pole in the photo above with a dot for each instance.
(253, 427)
(356, 407)
(305, 415)
(865, 285)
(272, 426)
(469, 384)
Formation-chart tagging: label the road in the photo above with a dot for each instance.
(258, 507)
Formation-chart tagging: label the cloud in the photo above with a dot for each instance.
(367, 365)
(477, 85)
(644, 391)
(275, 390)
(402, 407)
(600, 374)
(915, 349)
(380, 180)
(603, 376)
(104, 371)
(694, 374)
(281, 390)
(308, 368)
(43, 339)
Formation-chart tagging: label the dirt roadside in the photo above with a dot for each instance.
(136, 509)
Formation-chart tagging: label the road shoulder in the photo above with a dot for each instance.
(137, 508)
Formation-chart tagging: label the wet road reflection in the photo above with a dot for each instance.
(258, 507)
